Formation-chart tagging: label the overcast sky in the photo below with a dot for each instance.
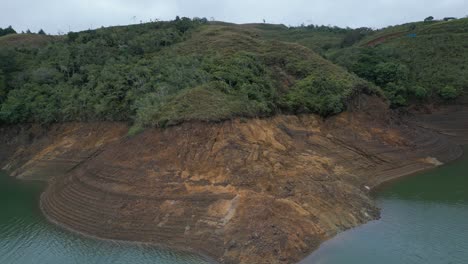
(65, 15)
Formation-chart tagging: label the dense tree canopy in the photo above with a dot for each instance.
(163, 73)
(428, 62)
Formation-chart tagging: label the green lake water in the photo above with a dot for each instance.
(424, 221)
(27, 238)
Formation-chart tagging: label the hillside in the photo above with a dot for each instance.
(164, 73)
(413, 63)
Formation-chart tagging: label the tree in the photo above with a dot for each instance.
(28, 31)
(41, 32)
(396, 93)
(183, 24)
(429, 19)
(7, 31)
(72, 36)
(390, 72)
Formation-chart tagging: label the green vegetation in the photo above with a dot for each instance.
(318, 38)
(164, 73)
(426, 61)
(428, 19)
(7, 31)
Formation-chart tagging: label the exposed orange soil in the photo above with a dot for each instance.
(255, 191)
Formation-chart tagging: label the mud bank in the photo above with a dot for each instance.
(242, 191)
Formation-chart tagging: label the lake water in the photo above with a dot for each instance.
(424, 221)
(27, 238)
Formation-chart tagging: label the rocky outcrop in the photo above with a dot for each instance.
(241, 191)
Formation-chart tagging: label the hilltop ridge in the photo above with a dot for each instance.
(164, 73)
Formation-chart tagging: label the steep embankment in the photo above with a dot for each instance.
(38, 152)
(242, 191)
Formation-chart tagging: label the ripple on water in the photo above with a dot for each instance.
(26, 238)
(424, 221)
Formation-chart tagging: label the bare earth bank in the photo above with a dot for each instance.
(241, 191)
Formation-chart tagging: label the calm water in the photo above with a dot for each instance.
(424, 221)
(26, 238)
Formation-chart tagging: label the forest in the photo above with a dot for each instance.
(166, 72)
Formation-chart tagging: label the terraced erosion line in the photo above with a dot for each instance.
(256, 191)
(161, 245)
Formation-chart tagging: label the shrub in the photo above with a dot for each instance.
(164, 73)
(317, 95)
(390, 72)
(397, 94)
(204, 103)
(135, 130)
(429, 19)
(419, 92)
(449, 92)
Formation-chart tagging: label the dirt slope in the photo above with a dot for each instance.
(242, 191)
(451, 121)
(37, 152)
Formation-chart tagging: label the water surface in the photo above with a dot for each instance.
(26, 237)
(424, 221)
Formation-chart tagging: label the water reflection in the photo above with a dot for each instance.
(424, 221)
(26, 238)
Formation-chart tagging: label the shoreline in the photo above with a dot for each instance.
(361, 237)
(113, 192)
(207, 258)
(161, 246)
(375, 187)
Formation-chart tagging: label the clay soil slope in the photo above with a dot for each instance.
(241, 191)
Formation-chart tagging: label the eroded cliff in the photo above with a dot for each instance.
(241, 191)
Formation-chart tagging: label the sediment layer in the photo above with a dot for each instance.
(242, 191)
(38, 152)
